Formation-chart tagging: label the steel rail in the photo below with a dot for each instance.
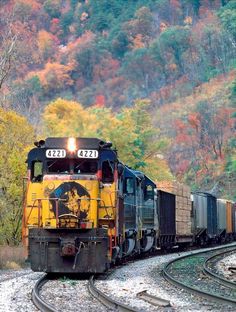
(199, 292)
(217, 277)
(37, 300)
(106, 300)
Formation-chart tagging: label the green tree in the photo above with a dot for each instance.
(175, 40)
(130, 131)
(52, 7)
(16, 135)
(228, 18)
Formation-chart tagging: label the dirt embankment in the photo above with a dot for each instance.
(12, 257)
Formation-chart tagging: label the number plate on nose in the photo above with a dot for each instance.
(87, 153)
(55, 153)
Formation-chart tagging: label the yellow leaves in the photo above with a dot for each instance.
(130, 131)
(16, 138)
(65, 118)
(14, 131)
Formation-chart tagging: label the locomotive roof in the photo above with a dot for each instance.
(38, 153)
(82, 143)
(138, 175)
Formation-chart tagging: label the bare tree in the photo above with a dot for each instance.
(7, 50)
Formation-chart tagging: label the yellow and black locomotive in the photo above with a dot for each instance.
(82, 208)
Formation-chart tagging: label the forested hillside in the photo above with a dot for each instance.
(157, 77)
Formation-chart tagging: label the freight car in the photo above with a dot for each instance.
(204, 222)
(84, 209)
(226, 217)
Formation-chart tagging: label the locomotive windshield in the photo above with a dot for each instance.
(72, 166)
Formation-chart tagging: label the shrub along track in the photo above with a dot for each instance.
(192, 272)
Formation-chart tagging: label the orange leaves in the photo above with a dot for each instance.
(55, 77)
(46, 43)
(173, 67)
(84, 16)
(188, 20)
(138, 42)
(74, 48)
(85, 40)
(34, 5)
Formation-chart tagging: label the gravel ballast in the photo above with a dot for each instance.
(123, 284)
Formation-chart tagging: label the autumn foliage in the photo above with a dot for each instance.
(157, 78)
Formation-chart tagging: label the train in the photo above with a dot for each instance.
(84, 210)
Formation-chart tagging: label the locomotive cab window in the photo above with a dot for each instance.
(129, 186)
(85, 166)
(58, 166)
(108, 171)
(148, 192)
(37, 171)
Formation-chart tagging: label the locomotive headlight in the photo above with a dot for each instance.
(71, 145)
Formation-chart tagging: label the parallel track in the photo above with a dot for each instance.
(37, 300)
(187, 272)
(210, 269)
(178, 272)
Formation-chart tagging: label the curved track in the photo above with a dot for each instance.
(210, 268)
(37, 300)
(188, 272)
(99, 295)
(106, 300)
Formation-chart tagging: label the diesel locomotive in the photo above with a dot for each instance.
(84, 209)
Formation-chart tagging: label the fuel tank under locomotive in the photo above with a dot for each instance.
(68, 250)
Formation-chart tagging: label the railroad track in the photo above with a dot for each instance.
(41, 304)
(193, 273)
(211, 270)
(108, 301)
